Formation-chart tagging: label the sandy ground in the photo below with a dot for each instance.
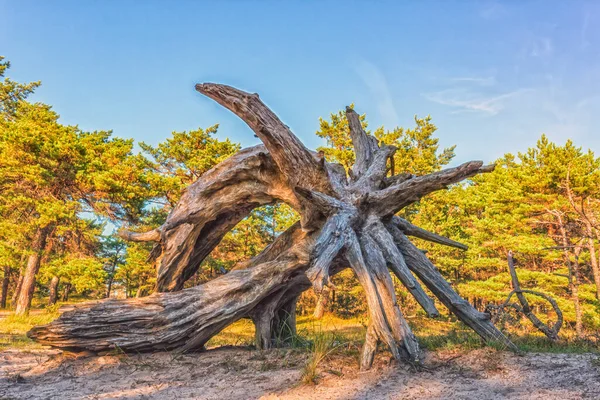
(235, 373)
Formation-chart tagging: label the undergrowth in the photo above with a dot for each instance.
(13, 328)
(346, 334)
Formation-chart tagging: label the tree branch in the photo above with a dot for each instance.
(396, 179)
(387, 320)
(327, 204)
(374, 176)
(412, 230)
(292, 157)
(431, 277)
(331, 240)
(150, 236)
(551, 333)
(390, 200)
(364, 145)
(396, 263)
(212, 206)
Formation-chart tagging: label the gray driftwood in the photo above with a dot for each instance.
(347, 220)
(524, 308)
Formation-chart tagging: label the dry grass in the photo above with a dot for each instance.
(323, 344)
(240, 333)
(13, 328)
(433, 334)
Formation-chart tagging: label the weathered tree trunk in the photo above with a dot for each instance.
(183, 320)
(345, 221)
(573, 271)
(141, 292)
(66, 291)
(593, 259)
(18, 286)
(275, 317)
(575, 282)
(109, 286)
(588, 220)
(53, 290)
(321, 304)
(211, 207)
(25, 296)
(5, 282)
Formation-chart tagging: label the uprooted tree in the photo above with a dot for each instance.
(347, 220)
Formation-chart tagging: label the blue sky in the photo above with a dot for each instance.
(493, 75)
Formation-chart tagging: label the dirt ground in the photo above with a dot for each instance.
(238, 373)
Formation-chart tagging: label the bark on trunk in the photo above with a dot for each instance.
(25, 296)
(345, 220)
(183, 320)
(53, 290)
(109, 286)
(321, 304)
(594, 260)
(5, 282)
(573, 271)
(66, 291)
(588, 220)
(15, 296)
(575, 281)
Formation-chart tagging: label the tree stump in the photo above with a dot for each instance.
(347, 220)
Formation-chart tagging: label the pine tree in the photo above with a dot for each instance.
(51, 173)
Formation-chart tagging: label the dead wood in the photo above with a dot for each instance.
(346, 221)
(550, 331)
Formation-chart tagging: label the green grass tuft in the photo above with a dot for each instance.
(323, 344)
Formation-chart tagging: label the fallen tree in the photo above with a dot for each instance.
(347, 219)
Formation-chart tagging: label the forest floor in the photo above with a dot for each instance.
(455, 366)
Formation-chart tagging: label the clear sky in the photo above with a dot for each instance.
(493, 75)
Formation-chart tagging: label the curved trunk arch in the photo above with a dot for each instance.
(208, 209)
